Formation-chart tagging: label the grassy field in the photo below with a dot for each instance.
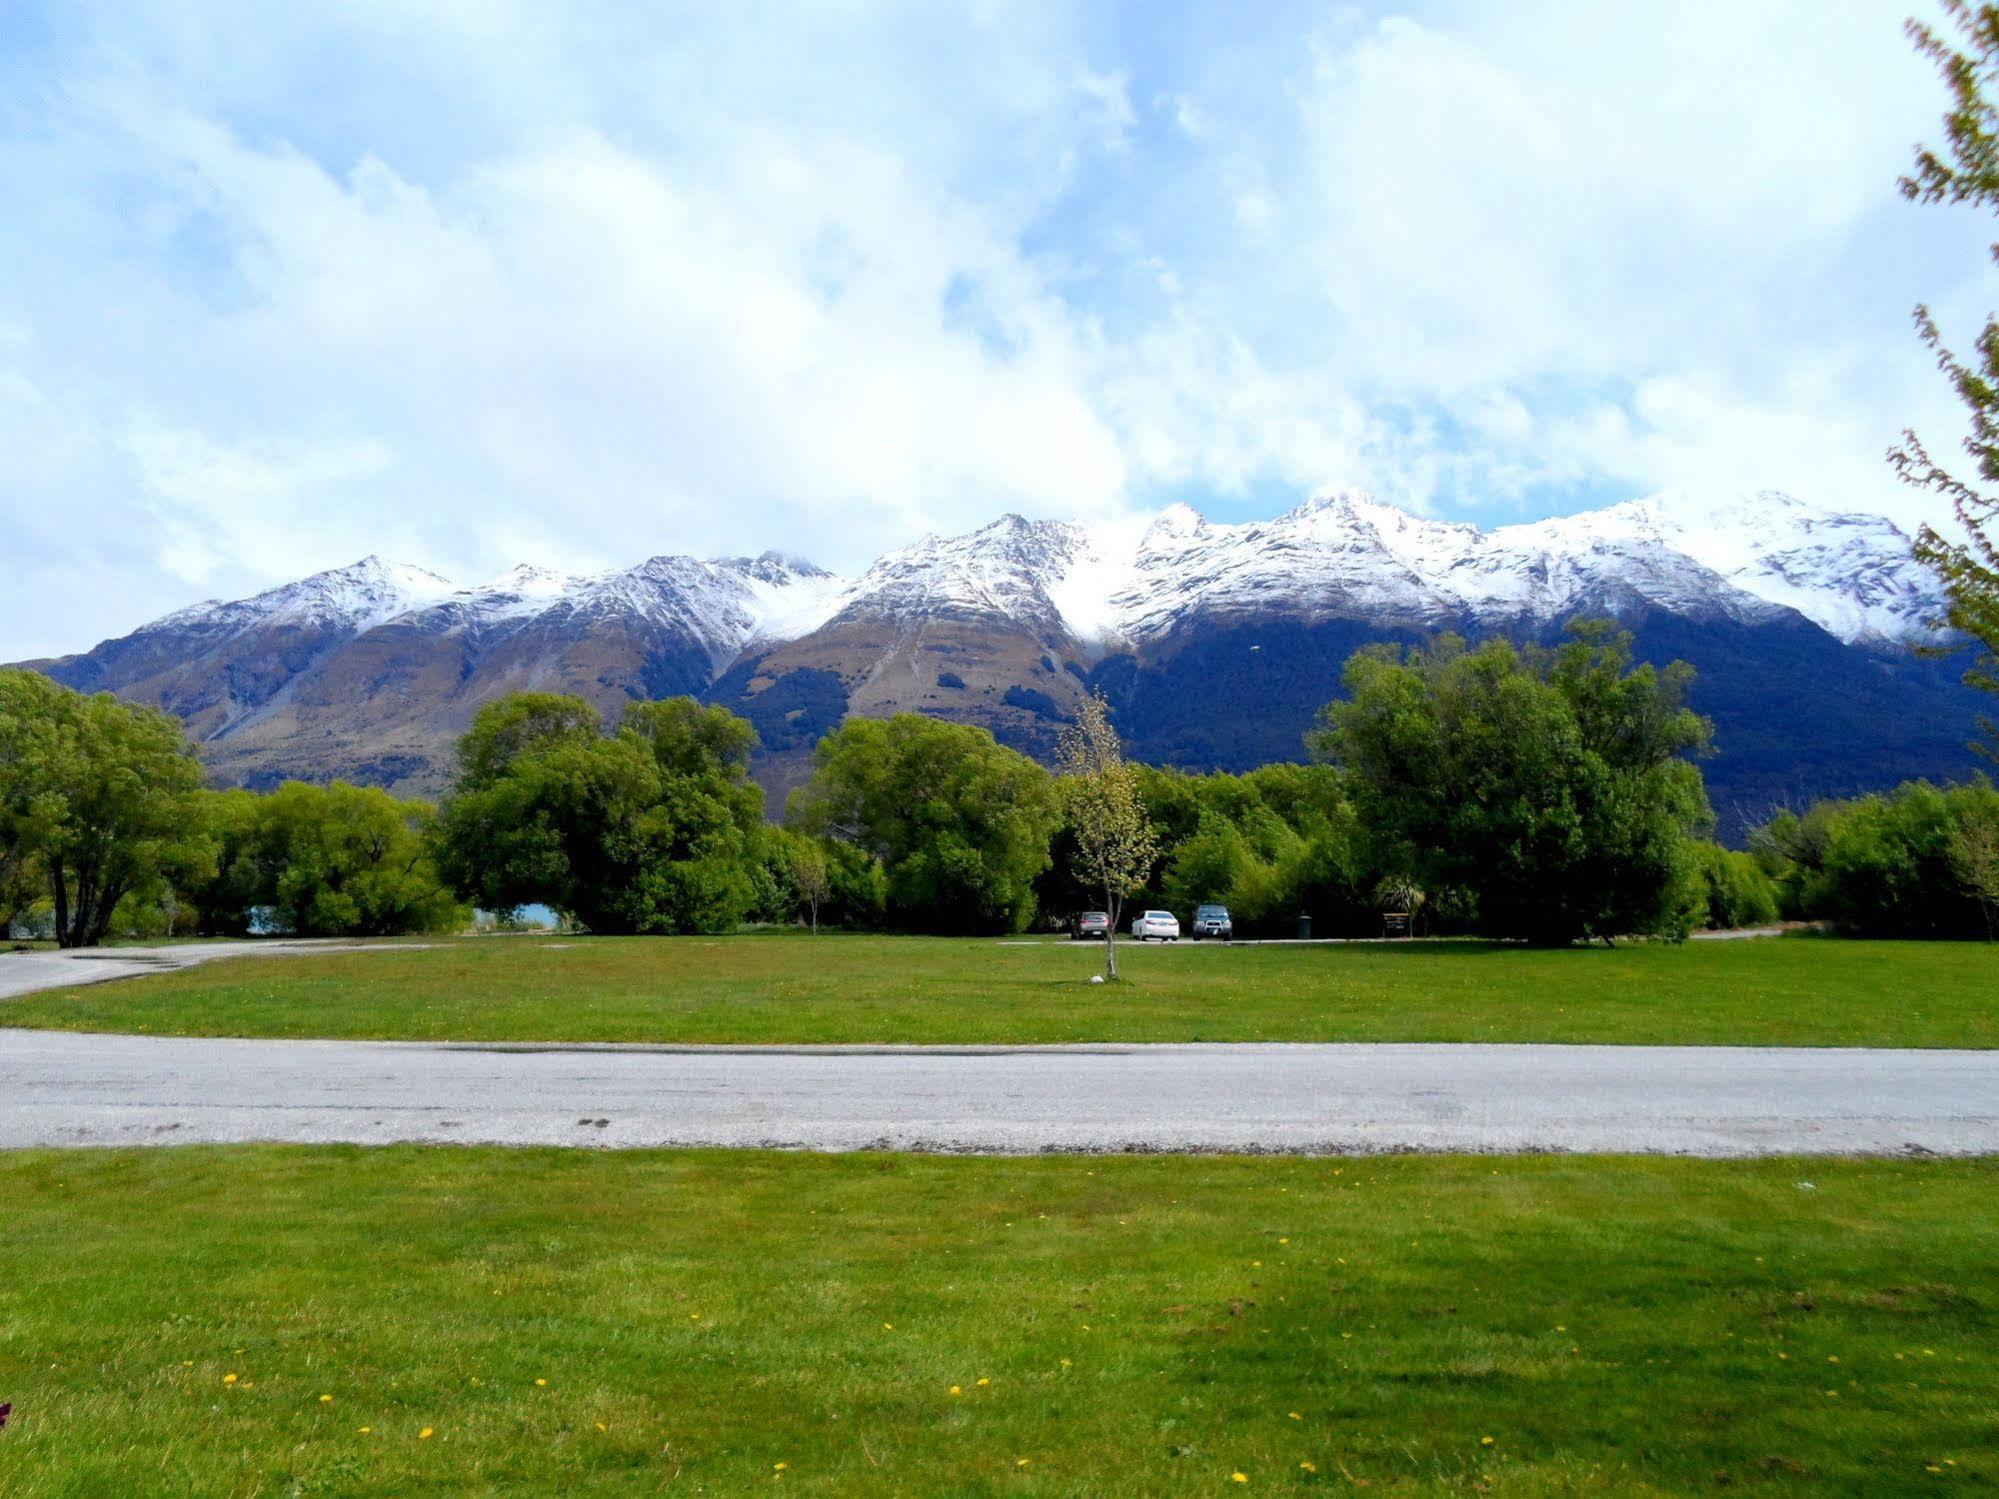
(278, 1320)
(799, 989)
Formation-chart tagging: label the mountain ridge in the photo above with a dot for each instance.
(369, 671)
(1849, 572)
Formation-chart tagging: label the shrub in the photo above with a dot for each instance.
(1739, 892)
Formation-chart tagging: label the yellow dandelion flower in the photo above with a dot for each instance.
(424, 1435)
(956, 1391)
(1284, 1241)
(326, 1400)
(1832, 1358)
(541, 1382)
(1021, 1462)
(888, 1327)
(1485, 1441)
(364, 1430)
(188, 1363)
(1065, 1363)
(602, 1427)
(1309, 1467)
(1238, 1478)
(229, 1379)
(779, 1467)
(985, 1381)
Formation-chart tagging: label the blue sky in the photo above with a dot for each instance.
(482, 281)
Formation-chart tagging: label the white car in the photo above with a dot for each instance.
(1163, 925)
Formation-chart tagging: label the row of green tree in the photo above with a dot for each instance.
(105, 827)
(1921, 861)
(1546, 794)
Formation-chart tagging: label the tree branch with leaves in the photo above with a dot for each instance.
(1965, 171)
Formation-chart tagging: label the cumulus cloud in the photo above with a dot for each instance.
(475, 284)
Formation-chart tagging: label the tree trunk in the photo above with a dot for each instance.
(1110, 939)
(107, 907)
(60, 885)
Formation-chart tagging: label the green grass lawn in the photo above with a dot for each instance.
(280, 1320)
(798, 989)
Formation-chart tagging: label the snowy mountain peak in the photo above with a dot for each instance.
(1176, 520)
(1125, 580)
(773, 567)
(1851, 573)
(353, 598)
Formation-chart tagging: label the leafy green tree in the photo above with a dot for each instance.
(1111, 835)
(652, 829)
(960, 824)
(1273, 844)
(1892, 865)
(22, 882)
(349, 861)
(811, 876)
(1548, 783)
(101, 797)
(1974, 858)
(860, 886)
(223, 899)
(1739, 892)
(1966, 172)
(1218, 864)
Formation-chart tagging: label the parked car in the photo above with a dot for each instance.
(1162, 926)
(1089, 926)
(1212, 921)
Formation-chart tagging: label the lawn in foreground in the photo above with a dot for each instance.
(800, 989)
(279, 1320)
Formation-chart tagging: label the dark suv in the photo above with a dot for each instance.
(1212, 921)
(1090, 925)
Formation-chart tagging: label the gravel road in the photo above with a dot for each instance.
(65, 1089)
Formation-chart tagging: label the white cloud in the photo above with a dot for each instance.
(477, 283)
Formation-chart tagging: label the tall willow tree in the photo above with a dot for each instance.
(1966, 170)
(1114, 841)
(99, 797)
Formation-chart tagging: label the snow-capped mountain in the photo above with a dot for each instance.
(353, 599)
(1215, 641)
(723, 605)
(1340, 553)
(1344, 554)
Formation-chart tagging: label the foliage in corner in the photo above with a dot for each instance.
(1965, 172)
